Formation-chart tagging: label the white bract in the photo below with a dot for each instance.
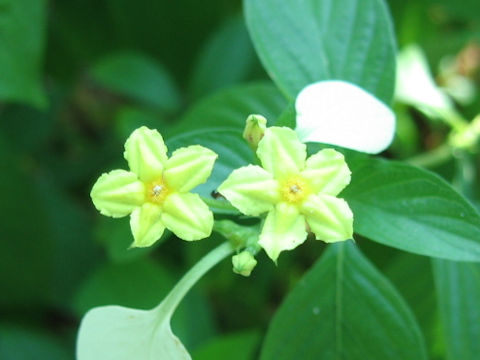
(120, 333)
(415, 85)
(340, 113)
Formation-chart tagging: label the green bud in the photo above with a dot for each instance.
(254, 130)
(243, 263)
(467, 137)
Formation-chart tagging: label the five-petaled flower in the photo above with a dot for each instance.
(294, 190)
(155, 192)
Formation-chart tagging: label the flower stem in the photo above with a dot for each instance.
(170, 303)
(432, 158)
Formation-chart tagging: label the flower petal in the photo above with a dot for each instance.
(146, 225)
(327, 172)
(329, 218)
(188, 167)
(281, 152)
(146, 153)
(117, 193)
(284, 229)
(187, 216)
(340, 113)
(251, 189)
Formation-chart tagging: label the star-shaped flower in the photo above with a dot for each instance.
(155, 192)
(294, 190)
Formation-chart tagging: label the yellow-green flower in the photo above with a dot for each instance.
(294, 190)
(155, 192)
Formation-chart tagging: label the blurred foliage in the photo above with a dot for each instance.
(77, 76)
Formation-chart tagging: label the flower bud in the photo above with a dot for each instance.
(243, 263)
(467, 137)
(254, 129)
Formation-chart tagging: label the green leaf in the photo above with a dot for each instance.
(115, 235)
(220, 64)
(458, 294)
(22, 42)
(21, 343)
(301, 42)
(32, 244)
(137, 284)
(194, 321)
(343, 308)
(74, 252)
(44, 228)
(128, 118)
(413, 210)
(32, 132)
(238, 346)
(138, 77)
(230, 108)
(412, 276)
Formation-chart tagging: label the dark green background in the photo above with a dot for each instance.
(64, 122)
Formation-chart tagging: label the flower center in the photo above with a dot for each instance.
(295, 189)
(157, 191)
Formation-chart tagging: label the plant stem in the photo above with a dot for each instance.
(170, 303)
(432, 158)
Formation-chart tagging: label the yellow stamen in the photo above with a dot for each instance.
(157, 191)
(295, 189)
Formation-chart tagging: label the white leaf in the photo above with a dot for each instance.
(340, 113)
(119, 333)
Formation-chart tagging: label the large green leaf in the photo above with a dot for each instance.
(22, 41)
(138, 284)
(412, 276)
(301, 42)
(32, 244)
(138, 77)
(26, 344)
(43, 227)
(230, 107)
(458, 290)
(412, 209)
(220, 64)
(343, 308)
